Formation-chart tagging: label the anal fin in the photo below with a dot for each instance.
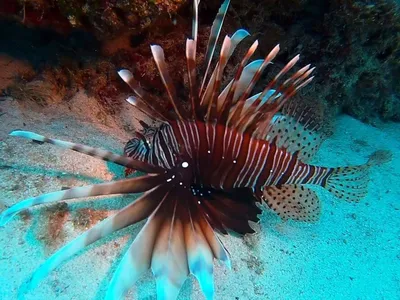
(293, 201)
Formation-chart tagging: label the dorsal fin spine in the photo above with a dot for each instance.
(191, 53)
(271, 55)
(127, 76)
(248, 90)
(159, 58)
(297, 74)
(214, 35)
(146, 109)
(191, 66)
(224, 112)
(285, 69)
(292, 92)
(195, 21)
(236, 38)
(267, 111)
(226, 46)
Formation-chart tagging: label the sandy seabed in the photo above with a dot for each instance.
(353, 252)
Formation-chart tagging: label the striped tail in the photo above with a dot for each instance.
(294, 200)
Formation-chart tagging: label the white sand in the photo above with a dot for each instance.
(352, 253)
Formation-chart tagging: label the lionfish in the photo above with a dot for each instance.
(206, 168)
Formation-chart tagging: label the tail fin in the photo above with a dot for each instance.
(351, 183)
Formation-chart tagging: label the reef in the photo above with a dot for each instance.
(68, 58)
(355, 46)
(104, 18)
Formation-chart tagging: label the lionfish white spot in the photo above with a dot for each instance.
(185, 164)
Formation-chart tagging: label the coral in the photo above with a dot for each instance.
(36, 91)
(56, 216)
(104, 18)
(97, 74)
(97, 79)
(355, 46)
(86, 218)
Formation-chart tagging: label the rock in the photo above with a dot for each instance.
(104, 18)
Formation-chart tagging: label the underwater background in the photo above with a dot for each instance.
(58, 76)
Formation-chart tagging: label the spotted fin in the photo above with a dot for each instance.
(290, 133)
(349, 183)
(293, 201)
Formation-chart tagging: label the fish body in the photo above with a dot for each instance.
(223, 158)
(206, 169)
